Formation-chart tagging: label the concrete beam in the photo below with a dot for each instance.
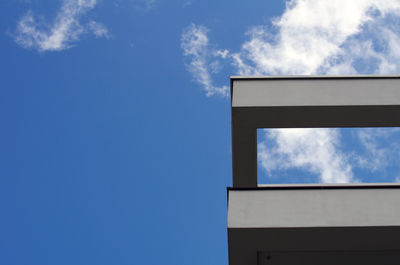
(314, 224)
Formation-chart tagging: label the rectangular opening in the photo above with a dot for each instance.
(328, 155)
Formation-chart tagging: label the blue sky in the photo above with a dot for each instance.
(115, 144)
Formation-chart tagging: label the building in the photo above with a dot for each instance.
(310, 224)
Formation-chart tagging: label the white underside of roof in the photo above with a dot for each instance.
(315, 92)
(278, 208)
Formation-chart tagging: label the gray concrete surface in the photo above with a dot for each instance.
(316, 92)
(278, 208)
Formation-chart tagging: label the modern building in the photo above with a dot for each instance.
(310, 224)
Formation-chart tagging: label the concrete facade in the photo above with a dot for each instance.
(310, 224)
(314, 225)
(305, 102)
(350, 205)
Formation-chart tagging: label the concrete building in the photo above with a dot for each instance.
(310, 224)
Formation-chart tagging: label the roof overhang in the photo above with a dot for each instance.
(310, 224)
(305, 102)
(316, 224)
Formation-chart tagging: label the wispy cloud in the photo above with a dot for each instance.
(313, 150)
(66, 30)
(203, 60)
(187, 3)
(98, 29)
(316, 37)
(380, 148)
(324, 37)
(319, 37)
(145, 5)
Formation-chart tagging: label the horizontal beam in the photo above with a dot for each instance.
(308, 223)
(316, 116)
(245, 244)
(316, 91)
(342, 206)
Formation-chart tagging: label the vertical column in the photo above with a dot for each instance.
(244, 153)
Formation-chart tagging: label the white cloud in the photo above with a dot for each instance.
(202, 58)
(324, 37)
(380, 148)
(317, 37)
(98, 29)
(223, 53)
(313, 150)
(311, 37)
(376, 155)
(63, 33)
